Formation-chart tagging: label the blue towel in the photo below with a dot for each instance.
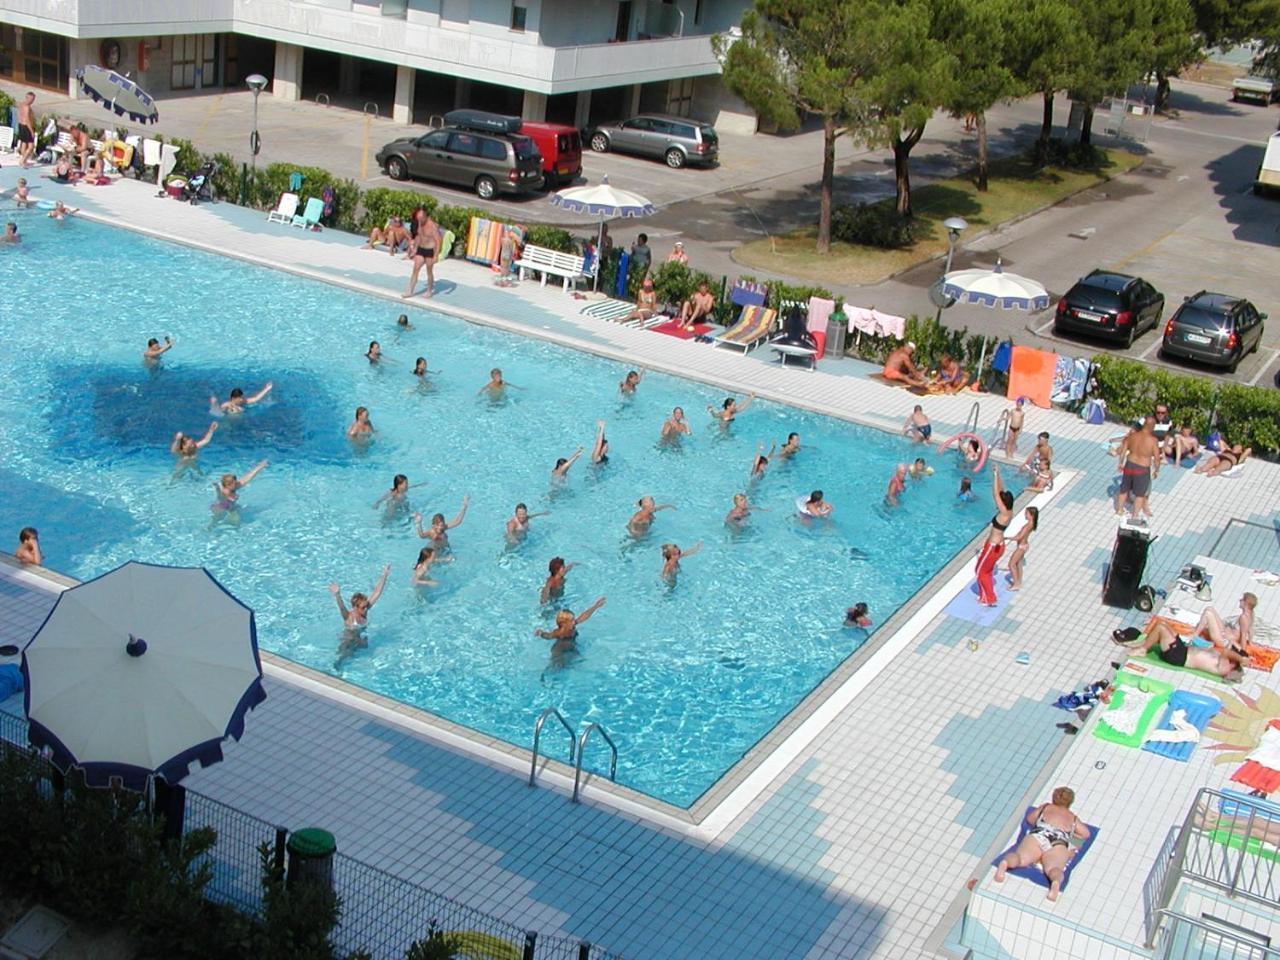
(10, 681)
(1033, 872)
(965, 606)
(620, 285)
(295, 182)
(1199, 709)
(1248, 806)
(1003, 356)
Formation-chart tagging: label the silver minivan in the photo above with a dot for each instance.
(488, 163)
(676, 140)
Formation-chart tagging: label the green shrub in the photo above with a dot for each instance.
(381, 203)
(6, 102)
(298, 918)
(779, 292)
(1073, 155)
(226, 179)
(1249, 416)
(873, 224)
(553, 238)
(675, 283)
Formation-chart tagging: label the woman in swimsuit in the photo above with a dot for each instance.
(737, 517)
(361, 428)
(438, 532)
(628, 386)
(897, 485)
(761, 462)
(422, 569)
(227, 494)
(791, 447)
(553, 588)
(396, 498)
(374, 353)
(420, 368)
(518, 525)
(600, 449)
(565, 633)
(356, 618)
(642, 519)
(675, 426)
(1048, 842)
(237, 401)
(1032, 515)
(816, 507)
(425, 244)
(186, 449)
(561, 469)
(730, 409)
(1220, 463)
(993, 546)
(671, 556)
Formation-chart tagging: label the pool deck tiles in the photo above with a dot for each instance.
(861, 844)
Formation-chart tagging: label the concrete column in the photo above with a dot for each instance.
(287, 82)
(402, 108)
(634, 101)
(582, 109)
(80, 53)
(461, 92)
(348, 78)
(534, 106)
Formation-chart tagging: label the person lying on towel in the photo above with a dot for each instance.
(899, 366)
(1222, 659)
(1049, 842)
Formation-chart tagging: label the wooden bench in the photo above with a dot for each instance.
(545, 261)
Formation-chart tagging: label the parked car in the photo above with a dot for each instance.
(677, 140)
(561, 149)
(1109, 305)
(1213, 328)
(1256, 89)
(489, 161)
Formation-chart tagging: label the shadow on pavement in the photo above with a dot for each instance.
(1253, 218)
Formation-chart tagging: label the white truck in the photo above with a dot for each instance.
(1268, 179)
(1256, 89)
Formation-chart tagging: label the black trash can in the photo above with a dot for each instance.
(1128, 561)
(311, 853)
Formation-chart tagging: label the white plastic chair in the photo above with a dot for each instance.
(285, 209)
(6, 139)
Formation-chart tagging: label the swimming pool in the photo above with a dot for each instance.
(686, 679)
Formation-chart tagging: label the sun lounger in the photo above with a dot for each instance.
(6, 139)
(751, 330)
(1034, 873)
(310, 217)
(608, 309)
(285, 210)
(1125, 684)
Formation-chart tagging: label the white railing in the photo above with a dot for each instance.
(591, 60)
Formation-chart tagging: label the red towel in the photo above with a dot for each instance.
(672, 328)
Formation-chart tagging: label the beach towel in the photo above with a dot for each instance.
(1070, 378)
(672, 328)
(820, 310)
(1033, 872)
(748, 295)
(1261, 769)
(1001, 358)
(1185, 714)
(620, 282)
(1135, 704)
(1031, 375)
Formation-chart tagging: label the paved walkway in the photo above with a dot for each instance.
(857, 846)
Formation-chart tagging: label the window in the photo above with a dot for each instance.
(680, 96)
(463, 143)
(519, 15)
(525, 148)
(642, 124)
(194, 62)
(493, 149)
(435, 141)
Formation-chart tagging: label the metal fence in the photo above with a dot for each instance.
(380, 912)
(1184, 938)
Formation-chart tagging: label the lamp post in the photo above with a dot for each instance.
(255, 82)
(954, 227)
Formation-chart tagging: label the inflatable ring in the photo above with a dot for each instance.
(982, 447)
(118, 153)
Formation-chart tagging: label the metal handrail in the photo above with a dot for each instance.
(999, 430)
(582, 747)
(325, 96)
(1226, 943)
(537, 736)
(367, 105)
(971, 424)
(435, 121)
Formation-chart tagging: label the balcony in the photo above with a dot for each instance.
(635, 60)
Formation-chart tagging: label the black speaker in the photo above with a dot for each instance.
(1128, 560)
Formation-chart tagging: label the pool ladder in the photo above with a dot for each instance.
(577, 747)
(997, 432)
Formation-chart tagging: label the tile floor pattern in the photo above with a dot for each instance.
(858, 847)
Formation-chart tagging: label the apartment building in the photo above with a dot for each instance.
(567, 61)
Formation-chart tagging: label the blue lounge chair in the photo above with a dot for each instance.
(310, 217)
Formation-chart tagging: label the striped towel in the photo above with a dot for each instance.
(608, 309)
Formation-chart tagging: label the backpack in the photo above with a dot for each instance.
(1095, 411)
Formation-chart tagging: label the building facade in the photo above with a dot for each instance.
(568, 61)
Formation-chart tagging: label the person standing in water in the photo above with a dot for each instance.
(28, 553)
(237, 401)
(518, 525)
(553, 588)
(629, 383)
(565, 633)
(791, 447)
(355, 619)
(422, 569)
(730, 409)
(438, 532)
(226, 505)
(671, 557)
(897, 485)
(187, 448)
(361, 428)
(740, 512)
(397, 498)
(675, 427)
(497, 387)
(600, 449)
(155, 348)
(642, 519)
(561, 469)
(761, 461)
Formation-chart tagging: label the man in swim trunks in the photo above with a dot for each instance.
(26, 129)
(1016, 417)
(697, 308)
(1041, 453)
(1139, 457)
(899, 366)
(1223, 661)
(918, 426)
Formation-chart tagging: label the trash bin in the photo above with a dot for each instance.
(311, 853)
(837, 333)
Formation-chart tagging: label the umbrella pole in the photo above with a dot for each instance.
(982, 359)
(595, 286)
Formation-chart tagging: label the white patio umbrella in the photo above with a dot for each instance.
(117, 93)
(995, 288)
(140, 672)
(606, 202)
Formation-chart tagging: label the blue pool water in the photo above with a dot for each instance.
(686, 679)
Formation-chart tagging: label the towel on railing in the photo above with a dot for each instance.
(871, 320)
(820, 310)
(748, 294)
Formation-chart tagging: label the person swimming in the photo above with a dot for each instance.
(438, 532)
(814, 506)
(518, 525)
(919, 469)
(671, 557)
(226, 506)
(553, 588)
(237, 401)
(187, 448)
(675, 427)
(857, 616)
(642, 519)
(403, 320)
(361, 428)
(791, 447)
(600, 449)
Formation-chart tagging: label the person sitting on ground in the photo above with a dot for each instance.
(1048, 842)
(1238, 634)
(1163, 426)
(698, 308)
(951, 376)
(28, 552)
(646, 303)
(1041, 452)
(918, 426)
(1220, 659)
(63, 170)
(1220, 463)
(393, 234)
(900, 366)
(857, 616)
(1043, 480)
(1181, 444)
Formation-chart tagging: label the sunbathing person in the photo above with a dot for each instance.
(1174, 650)
(1237, 634)
(1181, 444)
(646, 303)
(697, 308)
(900, 366)
(1220, 463)
(393, 234)
(1048, 842)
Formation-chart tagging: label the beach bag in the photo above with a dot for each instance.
(1095, 411)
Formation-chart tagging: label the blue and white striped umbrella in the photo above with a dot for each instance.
(995, 288)
(141, 672)
(117, 93)
(603, 201)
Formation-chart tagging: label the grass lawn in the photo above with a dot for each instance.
(1016, 188)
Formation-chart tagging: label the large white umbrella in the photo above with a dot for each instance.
(995, 288)
(140, 672)
(604, 201)
(117, 93)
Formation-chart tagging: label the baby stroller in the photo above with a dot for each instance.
(200, 185)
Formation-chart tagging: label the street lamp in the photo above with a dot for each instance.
(954, 227)
(256, 82)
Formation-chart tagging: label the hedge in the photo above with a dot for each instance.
(1245, 415)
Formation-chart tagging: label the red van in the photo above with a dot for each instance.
(561, 149)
